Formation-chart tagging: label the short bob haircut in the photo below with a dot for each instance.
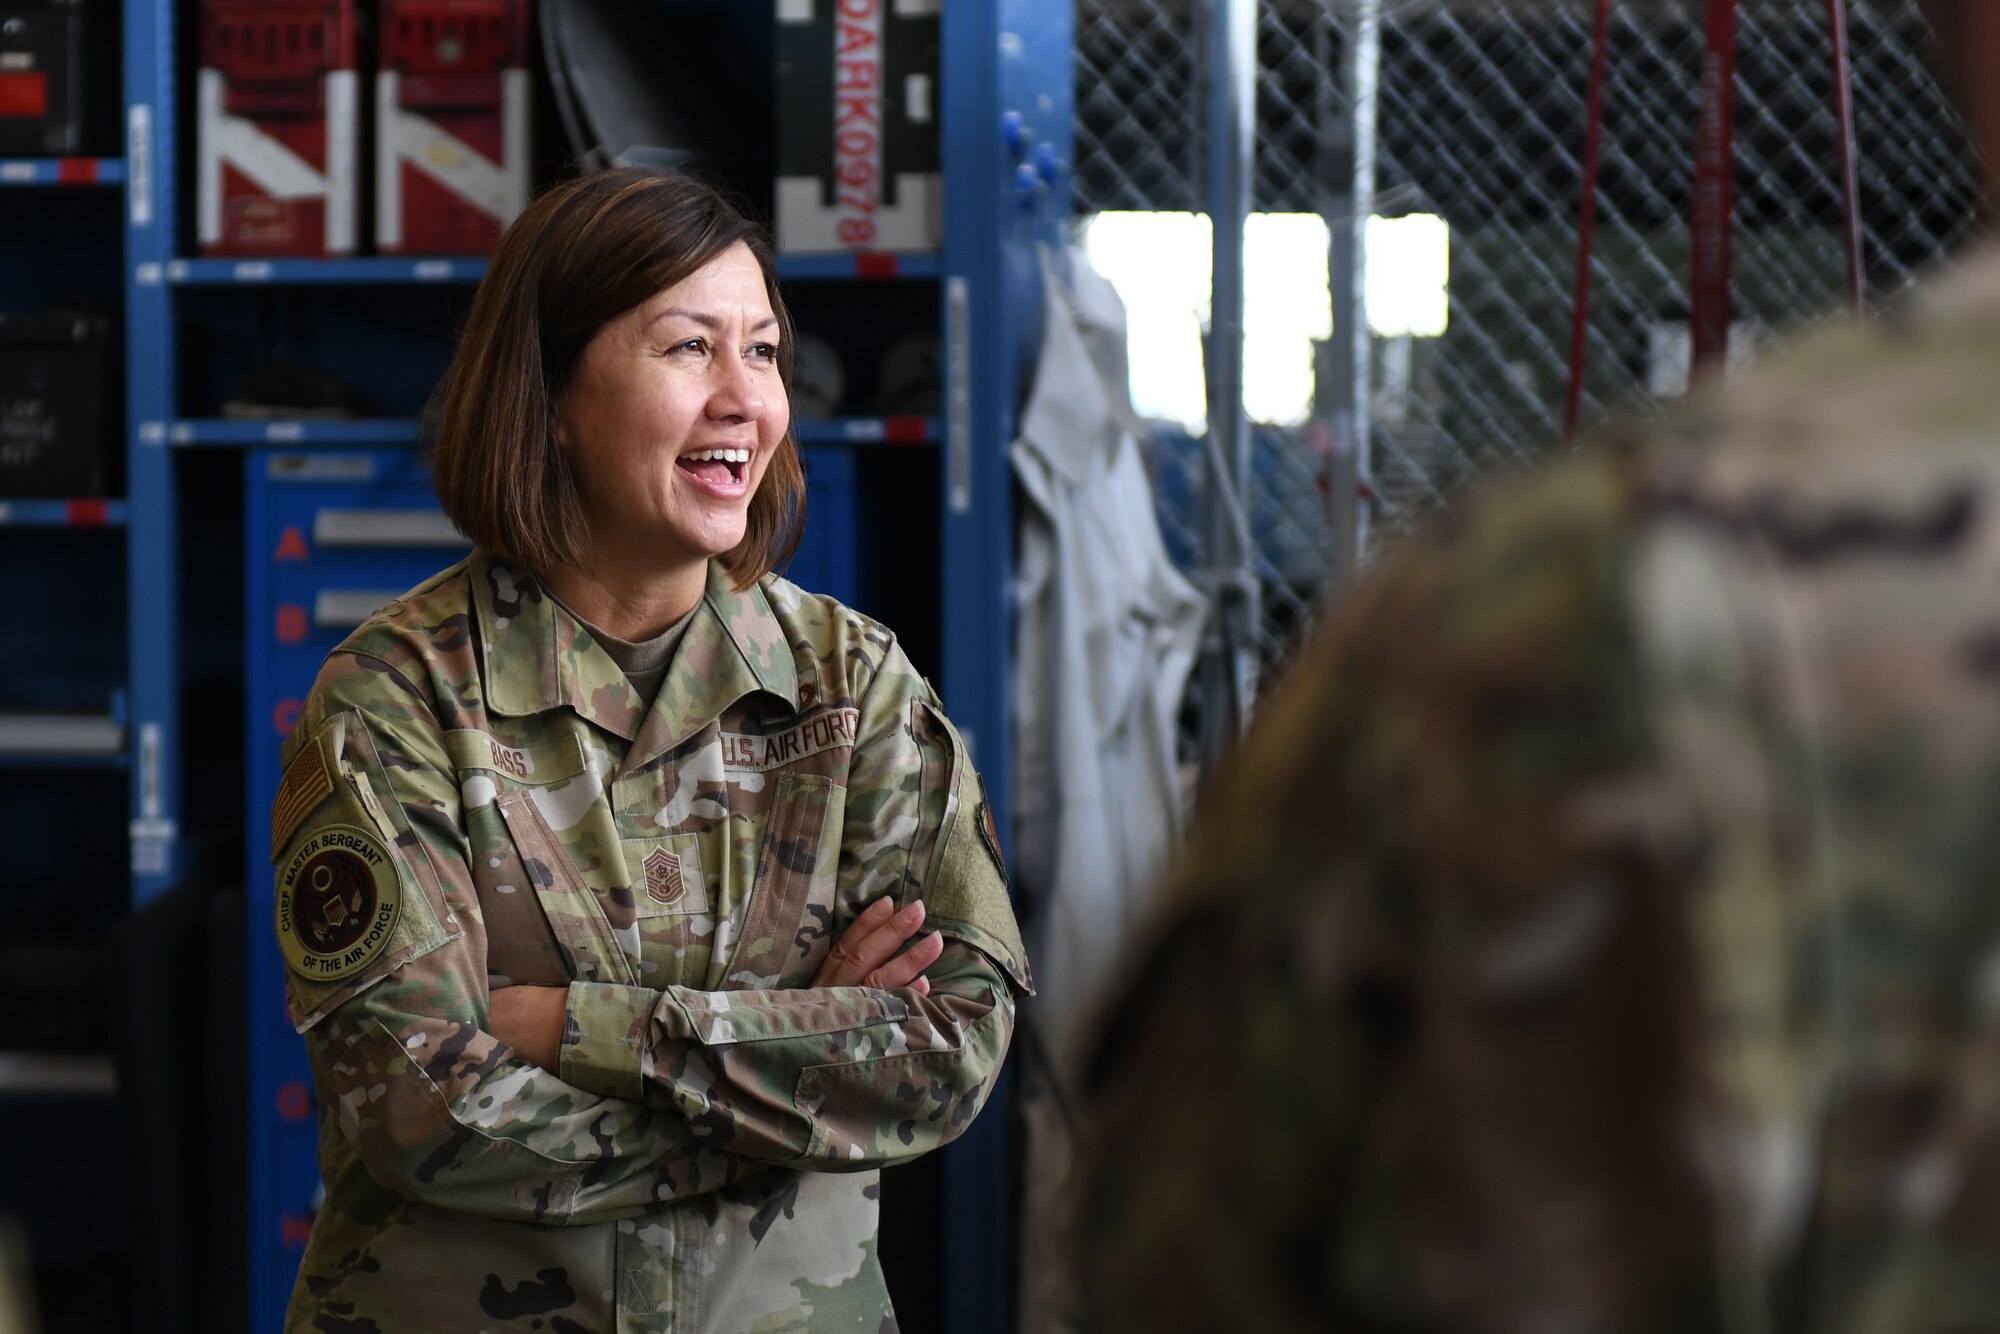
(585, 252)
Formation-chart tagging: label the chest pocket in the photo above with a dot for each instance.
(785, 929)
(544, 851)
(671, 900)
(666, 876)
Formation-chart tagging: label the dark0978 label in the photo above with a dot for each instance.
(338, 896)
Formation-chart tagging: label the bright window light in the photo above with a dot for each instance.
(1159, 262)
(1409, 276)
(1285, 307)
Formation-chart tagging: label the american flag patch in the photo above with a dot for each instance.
(306, 784)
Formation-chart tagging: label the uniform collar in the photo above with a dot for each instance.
(538, 657)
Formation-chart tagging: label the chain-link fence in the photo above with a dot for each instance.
(1481, 123)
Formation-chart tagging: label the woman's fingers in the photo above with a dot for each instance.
(907, 968)
(866, 955)
(871, 941)
(880, 946)
(838, 964)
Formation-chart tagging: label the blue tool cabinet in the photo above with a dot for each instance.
(329, 535)
(908, 519)
(63, 766)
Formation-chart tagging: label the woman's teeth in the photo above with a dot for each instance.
(718, 456)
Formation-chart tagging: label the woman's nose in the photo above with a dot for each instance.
(735, 392)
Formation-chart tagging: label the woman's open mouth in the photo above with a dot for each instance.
(717, 470)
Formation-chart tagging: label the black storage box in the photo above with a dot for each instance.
(59, 407)
(41, 78)
(859, 166)
(50, 993)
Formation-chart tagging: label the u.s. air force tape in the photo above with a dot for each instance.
(338, 896)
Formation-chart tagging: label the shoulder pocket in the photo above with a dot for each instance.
(356, 894)
(955, 857)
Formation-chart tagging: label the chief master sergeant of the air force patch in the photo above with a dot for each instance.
(338, 896)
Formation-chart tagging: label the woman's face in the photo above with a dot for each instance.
(674, 412)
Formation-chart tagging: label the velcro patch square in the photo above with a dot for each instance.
(663, 877)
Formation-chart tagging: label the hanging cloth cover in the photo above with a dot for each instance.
(1106, 633)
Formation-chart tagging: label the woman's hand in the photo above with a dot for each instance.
(865, 955)
(530, 1020)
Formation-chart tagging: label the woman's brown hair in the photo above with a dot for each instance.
(585, 252)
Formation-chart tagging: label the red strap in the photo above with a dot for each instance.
(1586, 224)
(1850, 185)
(1714, 187)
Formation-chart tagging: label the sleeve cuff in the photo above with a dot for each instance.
(604, 1038)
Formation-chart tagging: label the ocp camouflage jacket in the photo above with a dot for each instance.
(1624, 854)
(475, 796)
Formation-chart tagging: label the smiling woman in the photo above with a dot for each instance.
(686, 917)
(607, 292)
(669, 422)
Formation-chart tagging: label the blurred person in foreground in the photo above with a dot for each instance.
(1601, 932)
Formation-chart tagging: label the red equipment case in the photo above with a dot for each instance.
(278, 130)
(451, 126)
(41, 77)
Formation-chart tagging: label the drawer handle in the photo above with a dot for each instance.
(60, 734)
(385, 528)
(345, 608)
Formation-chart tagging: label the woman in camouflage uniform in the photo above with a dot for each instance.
(602, 856)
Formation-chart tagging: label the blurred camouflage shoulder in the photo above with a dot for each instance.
(1642, 798)
(1400, 804)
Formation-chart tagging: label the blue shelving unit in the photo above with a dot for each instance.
(1006, 87)
(153, 541)
(48, 760)
(874, 266)
(63, 751)
(309, 431)
(61, 171)
(1004, 90)
(868, 430)
(318, 272)
(403, 431)
(92, 513)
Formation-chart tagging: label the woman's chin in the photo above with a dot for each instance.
(709, 542)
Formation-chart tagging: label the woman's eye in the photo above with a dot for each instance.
(695, 345)
(763, 352)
